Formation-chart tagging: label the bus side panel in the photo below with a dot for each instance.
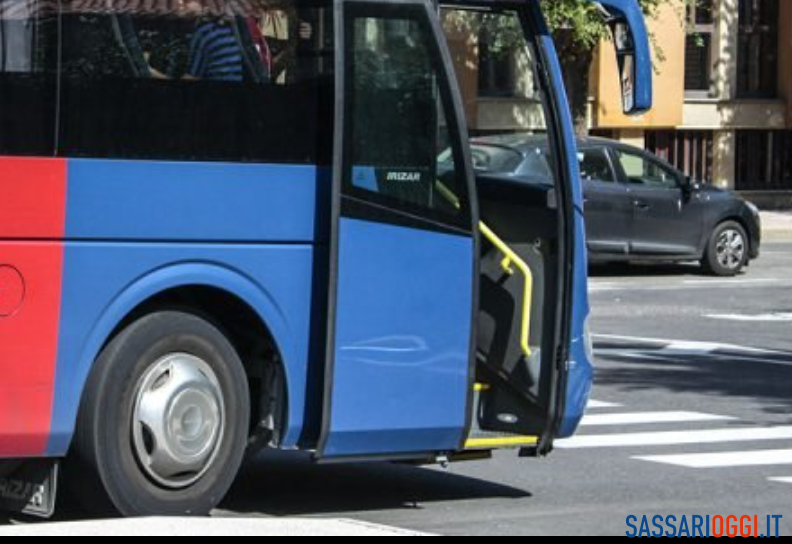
(401, 372)
(194, 202)
(32, 207)
(104, 282)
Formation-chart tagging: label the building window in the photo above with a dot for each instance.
(757, 55)
(699, 47)
(505, 71)
(764, 160)
(691, 151)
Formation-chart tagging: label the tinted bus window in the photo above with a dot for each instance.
(197, 80)
(28, 56)
(398, 131)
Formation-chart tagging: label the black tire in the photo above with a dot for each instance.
(714, 261)
(104, 472)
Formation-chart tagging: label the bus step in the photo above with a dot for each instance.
(484, 440)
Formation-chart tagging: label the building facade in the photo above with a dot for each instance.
(724, 95)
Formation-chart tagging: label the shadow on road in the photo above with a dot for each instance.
(620, 270)
(288, 484)
(762, 377)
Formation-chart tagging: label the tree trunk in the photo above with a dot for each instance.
(576, 63)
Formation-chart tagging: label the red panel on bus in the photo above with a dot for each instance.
(32, 198)
(32, 221)
(30, 298)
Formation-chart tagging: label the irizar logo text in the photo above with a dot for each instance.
(404, 177)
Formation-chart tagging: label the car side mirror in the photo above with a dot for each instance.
(690, 186)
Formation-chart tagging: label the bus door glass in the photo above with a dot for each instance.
(398, 374)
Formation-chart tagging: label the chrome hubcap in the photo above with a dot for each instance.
(730, 249)
(178, 420)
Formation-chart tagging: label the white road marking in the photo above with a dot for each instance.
(641, 418)
(676, 438)
(712, 357)
(692, 348)
(707, 347)
(220, 527)
(741, 281)
(760, 318)
(605, 287)
(599, 405)
(671, 350)
(781, 480)
(724, 460)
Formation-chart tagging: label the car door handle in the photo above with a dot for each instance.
(641, 205)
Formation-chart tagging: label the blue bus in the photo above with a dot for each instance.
(228, 225)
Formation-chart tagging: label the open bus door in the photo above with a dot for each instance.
(534, 362)
(436, 342)
(403, 256)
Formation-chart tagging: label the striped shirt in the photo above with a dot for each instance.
(215, 53)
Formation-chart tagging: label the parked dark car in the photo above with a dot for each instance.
(638, 207)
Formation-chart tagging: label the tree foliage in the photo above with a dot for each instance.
(583, 20)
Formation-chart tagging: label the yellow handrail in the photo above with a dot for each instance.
(511, 258)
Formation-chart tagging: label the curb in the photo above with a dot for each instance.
(208, 527)
(777, 235)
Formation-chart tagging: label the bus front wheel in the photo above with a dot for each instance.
(164, 420)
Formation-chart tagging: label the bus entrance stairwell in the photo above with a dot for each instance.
(521, 226)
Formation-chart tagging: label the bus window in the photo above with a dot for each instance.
(198, 80)
(28, 55)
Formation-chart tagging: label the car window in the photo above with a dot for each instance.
(595, 166)
(537, 166)
(495, 160)
(642, 171)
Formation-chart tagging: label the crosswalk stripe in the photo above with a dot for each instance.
(724, 460)
(599, 405)
(742, 434)
(660, 343)
(641, 418)
(781, 480)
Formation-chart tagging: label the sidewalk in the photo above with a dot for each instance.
(777, 226)
(207, 527)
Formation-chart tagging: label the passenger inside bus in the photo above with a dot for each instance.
(192, 41)
(194, 79)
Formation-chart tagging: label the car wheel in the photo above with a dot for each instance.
(164, 420)
(727, 251)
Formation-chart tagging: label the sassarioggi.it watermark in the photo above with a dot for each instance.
(704, 526)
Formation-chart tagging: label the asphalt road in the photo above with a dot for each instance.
(718, 381)
(694, 417)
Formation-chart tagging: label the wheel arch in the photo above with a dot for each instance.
(207, 289)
